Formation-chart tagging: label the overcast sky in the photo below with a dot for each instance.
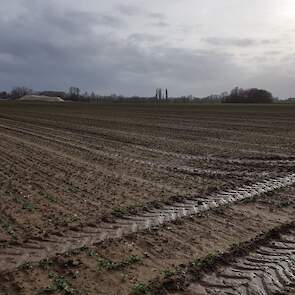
(134, 46)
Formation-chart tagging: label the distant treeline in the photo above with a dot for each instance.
(252, 95)
(236, 95)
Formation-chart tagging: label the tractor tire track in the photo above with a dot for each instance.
(263, 162)
(268, 270)
(35, 250)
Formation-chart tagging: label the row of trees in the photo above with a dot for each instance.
(252, 95)
(16, 92)
(160, 95)
(236, 95)
(240, 95)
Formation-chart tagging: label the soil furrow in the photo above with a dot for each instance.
(267, 270)
(72, 240)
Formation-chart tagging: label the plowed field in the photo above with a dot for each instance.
(109, 199)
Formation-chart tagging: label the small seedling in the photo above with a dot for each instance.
(140, 288)
(91, 253)
(59, 284)
(167, 273)
(26, 266)
(46, 263)
(199, 264)
(114, 265)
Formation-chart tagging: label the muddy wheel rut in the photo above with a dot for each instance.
(35, 250)
(268, 270)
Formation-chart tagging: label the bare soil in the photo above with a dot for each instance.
(71, 166)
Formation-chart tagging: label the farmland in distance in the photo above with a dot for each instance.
(86, 191)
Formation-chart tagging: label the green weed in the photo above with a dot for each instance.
(59, 284)
(46, 263)
(140, 288)
(116, 265)
(167, 273)
(26, 266)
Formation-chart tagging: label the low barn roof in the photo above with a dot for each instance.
(41, 98)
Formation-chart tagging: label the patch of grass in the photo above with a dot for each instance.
(116, 265)
(59, 284)
(141, 288)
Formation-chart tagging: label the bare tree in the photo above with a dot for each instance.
(74, 93)
(20, 91)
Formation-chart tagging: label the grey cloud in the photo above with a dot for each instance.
(129, 10)
(269, 41)
(132, 10)
(57, 58)
(144, 37)
(160, 24)
(110, 21)
(240, 42)
(56, 47)
(156, 15)
(272, 52)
